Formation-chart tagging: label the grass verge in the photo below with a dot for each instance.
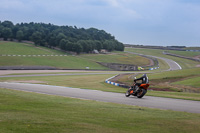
(78, 81)
(118, 57)
(95, 82)
(68, 62)
(30, 112)
(185, 63)
(177, 95)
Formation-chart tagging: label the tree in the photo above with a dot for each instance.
(69, 46)
(52, 40)
(84, 45)
(51, 35)
(36, 38)
(98, 45)
(77, 48)
(6, 33)
(7, 24)
(91, 45)
(119, 46)
(1, 31)
(59, 37)
(109, 45)
(19, 35)
(62, 44)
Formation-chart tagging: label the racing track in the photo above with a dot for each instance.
(172, 64)
(146, 101)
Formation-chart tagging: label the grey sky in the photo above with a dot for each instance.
(146, 22)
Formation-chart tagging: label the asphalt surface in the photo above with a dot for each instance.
(146, 101)
(70, 74)
(172, 64)
(36, 75)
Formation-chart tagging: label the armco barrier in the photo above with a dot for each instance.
(116, 84)
(153, 68)
(112, 83)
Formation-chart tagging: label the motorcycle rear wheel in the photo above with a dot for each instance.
(141, 93)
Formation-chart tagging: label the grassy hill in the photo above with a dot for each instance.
(186, 80)
(185, 63)
(185, 53)
(30, 112)
(22, 54)
(14, 48)
(118, 57)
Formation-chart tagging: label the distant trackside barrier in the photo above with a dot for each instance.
(112, 83)
(116, 84)
(153, 68)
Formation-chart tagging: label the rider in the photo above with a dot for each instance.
(144, 79)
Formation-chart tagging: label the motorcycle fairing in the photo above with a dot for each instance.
(145, 86)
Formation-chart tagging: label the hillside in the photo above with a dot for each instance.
(185, 80)
(22, 54)
(185, 63)
(65, 37)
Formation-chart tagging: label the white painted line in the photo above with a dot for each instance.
(178, 65)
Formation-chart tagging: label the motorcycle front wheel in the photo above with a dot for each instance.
(127, 94)
(141, 93)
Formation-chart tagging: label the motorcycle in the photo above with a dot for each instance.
(138, 91)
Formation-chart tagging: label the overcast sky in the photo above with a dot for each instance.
(144, 22)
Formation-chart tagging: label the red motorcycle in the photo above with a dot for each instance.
(137, 90)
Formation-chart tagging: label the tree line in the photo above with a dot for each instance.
(68, 38)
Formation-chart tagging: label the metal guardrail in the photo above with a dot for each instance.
(115, 84)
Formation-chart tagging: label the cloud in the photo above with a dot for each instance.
(114, 3)
(130, 21)
(11, 4)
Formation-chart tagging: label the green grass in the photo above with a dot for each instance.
(194, 82)
(171, 76)
(13, 48)
(162, 66)
(181, 81)
(185, 63)
(67, 62)
(96, 82)
(192, 48)
(30, 112)
(176, 74)
(176, 95)
(119, 57)
(184, 53)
